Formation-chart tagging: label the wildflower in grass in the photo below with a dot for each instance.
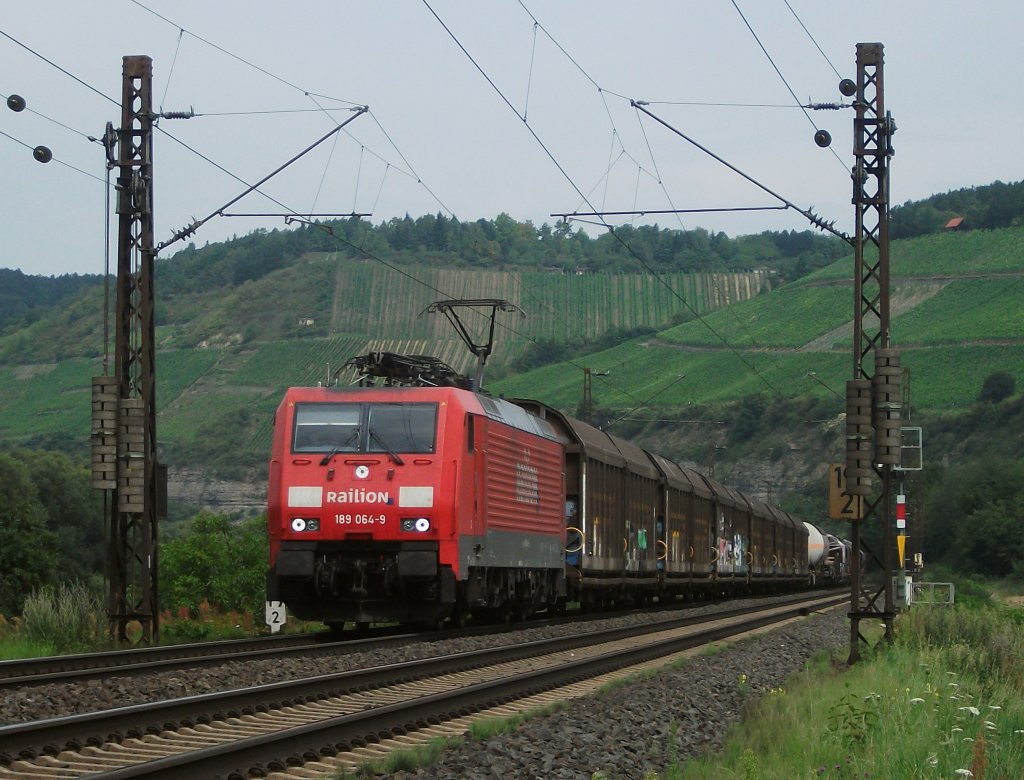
(917, 700)
(965, 773)
(994, 707)
(953, 685)
(744, 687)
(933, 760)
(971, 709)
(990, 725)
(957, 730)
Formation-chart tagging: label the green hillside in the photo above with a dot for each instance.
(331, 296)
(956, 317)
(949, 254)
(225, 356)
(338, 296)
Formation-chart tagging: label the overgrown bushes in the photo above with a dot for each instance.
(70, 617)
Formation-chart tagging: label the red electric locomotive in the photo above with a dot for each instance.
(413, 504)
(413, 498)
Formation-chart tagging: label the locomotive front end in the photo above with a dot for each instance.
(360, 507)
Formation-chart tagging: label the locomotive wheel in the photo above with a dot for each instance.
(362, 625)
(512, 612)
(459, 616)
(437, 624)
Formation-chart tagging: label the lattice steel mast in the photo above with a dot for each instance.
(124, 405)
(873, 395)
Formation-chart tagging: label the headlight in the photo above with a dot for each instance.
(300, 524)
(418, 525)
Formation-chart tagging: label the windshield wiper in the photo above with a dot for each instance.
(391, 453)
(338, 448)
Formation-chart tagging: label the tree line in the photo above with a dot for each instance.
(501, 242)
(505, 242)
(25, 298)
(997, 205)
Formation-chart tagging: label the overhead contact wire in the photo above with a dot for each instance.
(309, 94)
(573, 184)
(825, 56)
(170, 73)
(529, 76)
(62, 70)
(796, 100)
(236, 57)
(714, 280)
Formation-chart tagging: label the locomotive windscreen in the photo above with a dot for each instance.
(364, 427)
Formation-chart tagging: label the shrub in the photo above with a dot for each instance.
(71, 617)
(997, 386)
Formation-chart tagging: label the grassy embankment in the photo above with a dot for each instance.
(944, 702)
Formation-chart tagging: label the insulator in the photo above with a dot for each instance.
(110, 143)
(42, 154)
(16, 103)
(848, 87)
(823, 138)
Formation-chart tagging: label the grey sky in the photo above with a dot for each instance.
(440, 138)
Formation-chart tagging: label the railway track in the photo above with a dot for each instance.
(81, 666)
(270, 728)
(147, 660)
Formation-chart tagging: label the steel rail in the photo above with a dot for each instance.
(292, 747)
(49, 737)
(78, 666)
(146, 660)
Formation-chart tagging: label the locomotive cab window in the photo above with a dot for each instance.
(326, 427)
(400, 427)
(376, 427)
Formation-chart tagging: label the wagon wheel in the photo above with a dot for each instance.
(459, 616)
